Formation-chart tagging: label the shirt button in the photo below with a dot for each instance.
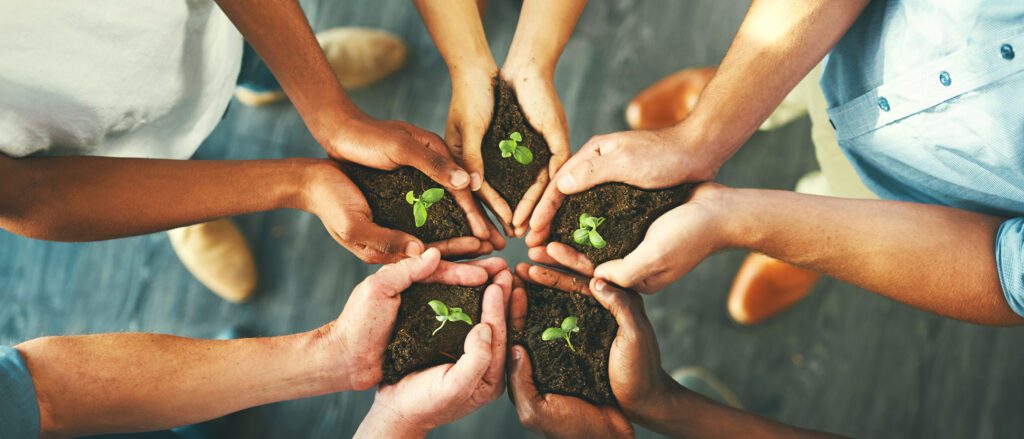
(944, 78)
(883, 103)
(1006, 51)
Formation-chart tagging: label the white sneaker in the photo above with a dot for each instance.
(218, 256)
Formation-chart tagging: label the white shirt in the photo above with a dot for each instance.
(113, 77)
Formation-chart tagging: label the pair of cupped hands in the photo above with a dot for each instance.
(674, 244)
(429, 398)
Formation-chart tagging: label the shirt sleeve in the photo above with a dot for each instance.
(19, 408)
(1010, 262)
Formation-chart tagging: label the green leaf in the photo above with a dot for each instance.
(569, 324)
(589, 222)
(596, 240)
(419, 213)
(441, 318)
(523, 155)
(506, 154)
(583, 217)
(516, 136)
(598, 222)
(432, 196)
(506, 147)
(552, 334)
(460, 317)
(438, 307)
(580, 236)
(410, 198)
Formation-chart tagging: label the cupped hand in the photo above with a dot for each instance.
(653, 159)
(674, 244)
(539, 101)
(361, 333)
(639, 383)
(554, 416)
(340, 205)
(442, 394)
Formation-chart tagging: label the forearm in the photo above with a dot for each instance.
(931, 257)
(280, 33)
(458, 33)
(139, 382)
(683, 413)
(543, 30)
(93, 198)
(775, 47)
(384, 422)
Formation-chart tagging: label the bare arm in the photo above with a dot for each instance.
(93, 198)
(140, 382)
(935, 258)
(543, 30)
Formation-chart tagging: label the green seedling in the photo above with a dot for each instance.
(421, 203)
(587, 233)
(568, 327)
(511, 148)
(445, 315)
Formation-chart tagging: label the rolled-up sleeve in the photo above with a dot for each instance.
(1010, 262)
(19, 408)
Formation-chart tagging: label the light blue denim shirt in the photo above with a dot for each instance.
(927, 100)
(19, 408)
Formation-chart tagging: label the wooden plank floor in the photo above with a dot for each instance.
(844, 360)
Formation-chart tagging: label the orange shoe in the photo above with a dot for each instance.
(669, 100)
(765, 286)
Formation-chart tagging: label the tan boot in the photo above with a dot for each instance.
(668, 101)
(218, 256)
(361, 56)
(766, 286)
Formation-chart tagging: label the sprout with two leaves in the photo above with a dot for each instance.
(421, 203)
(511, 148)
(567, 328)
(587, 233)
(445, 315)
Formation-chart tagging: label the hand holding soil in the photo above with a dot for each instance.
(441, 394)
(541, 409)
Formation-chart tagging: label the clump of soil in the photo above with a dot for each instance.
(556, 368)
(508, 177)
(385, 193)
(628, 212)
(412, 346)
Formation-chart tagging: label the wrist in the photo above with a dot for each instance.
(384, 421)
(518, 66)
(310, 178)
(742, 221)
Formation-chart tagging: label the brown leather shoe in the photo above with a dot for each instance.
(669, 100)
(765, 286)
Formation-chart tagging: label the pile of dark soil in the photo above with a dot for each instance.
(507, 176)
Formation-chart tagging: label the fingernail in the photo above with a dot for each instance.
(413, 249)
(566, 183)
(459, 178)
(475, 181)
(599, 285)
(517, 354)
(485, 334)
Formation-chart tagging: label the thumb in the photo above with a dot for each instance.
(470, 368)
(439, 167)
(383, 243)
(632, 270)
(392, 279)
(624, 305)
(594, 164)
(520, 381)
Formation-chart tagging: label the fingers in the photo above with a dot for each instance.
(470, 368)
(438, 166)
(474, 214)
(521, 388)
(497, 241)
(375, 244)
(471, 154)
(517, 308)
(498, 206)
(527, 203)
(558, 280)
(495, 299)
(543, 214)
(392, 279)
(451, 273)
(463, 245)
(625, 306)
(633, 270)
(568, 257)
(594, 164)
(491, 265)
(540, 255)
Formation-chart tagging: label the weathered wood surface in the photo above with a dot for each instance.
(845, 360)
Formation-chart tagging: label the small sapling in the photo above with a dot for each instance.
(445, 315)
(511, 148)
(421, 203)
(568, 327)
(587, 233)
